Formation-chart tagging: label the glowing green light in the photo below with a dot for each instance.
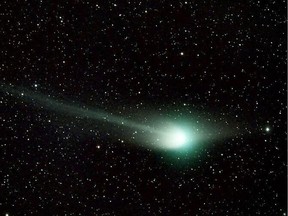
(176, 139)
(173, 138)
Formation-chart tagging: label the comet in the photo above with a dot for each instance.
(166, 136)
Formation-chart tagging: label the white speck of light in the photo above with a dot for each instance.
(182, 53)
(267, 129)
(6, 214)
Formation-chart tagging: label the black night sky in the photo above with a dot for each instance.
(217, 65)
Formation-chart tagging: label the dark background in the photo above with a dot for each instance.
(221, 58)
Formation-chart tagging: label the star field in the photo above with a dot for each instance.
(82, 84)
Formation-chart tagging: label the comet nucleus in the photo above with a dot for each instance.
(174, 138)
